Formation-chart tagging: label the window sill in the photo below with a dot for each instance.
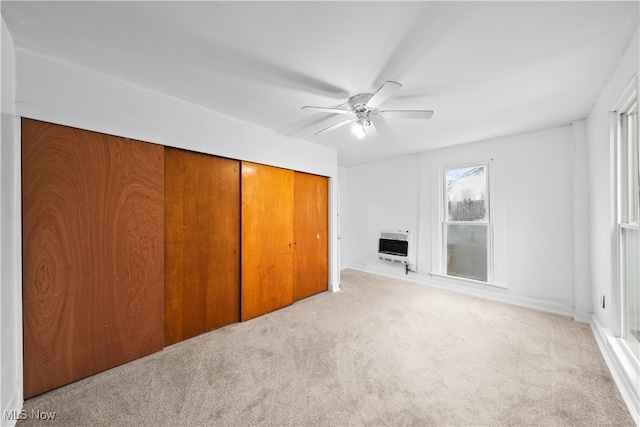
(465, 280)
(630, 226)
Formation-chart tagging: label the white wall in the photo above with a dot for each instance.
(581, 217)
(533, 216)
(10, 235)
(381, 196)
(343, 214)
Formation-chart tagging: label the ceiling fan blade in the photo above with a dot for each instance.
(371, 131)
(327, 110)
(336, 126)
(382, 126)
(406, 114)
(385, 91)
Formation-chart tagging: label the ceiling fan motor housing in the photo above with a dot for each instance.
(359, 106)
(359, 102)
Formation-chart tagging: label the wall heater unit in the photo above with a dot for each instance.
(396, 246)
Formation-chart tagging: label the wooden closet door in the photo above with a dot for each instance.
(92, 252)
(202, 243)
(267, 239)
(310, 231)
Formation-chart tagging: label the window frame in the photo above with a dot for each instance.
(627, 100)
(488, 222)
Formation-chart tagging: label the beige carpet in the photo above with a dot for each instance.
(380, 352)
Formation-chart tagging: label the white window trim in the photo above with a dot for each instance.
(630, 226)
(626, 99)
(488, 164)
(430, 212)
(465, 280)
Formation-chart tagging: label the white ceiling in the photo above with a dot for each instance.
(488, 69)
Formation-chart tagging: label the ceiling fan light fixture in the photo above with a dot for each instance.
(358, 130)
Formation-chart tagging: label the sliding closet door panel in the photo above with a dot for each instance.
(267, 239)
(310, 231)
(202, 243)
(92, 252)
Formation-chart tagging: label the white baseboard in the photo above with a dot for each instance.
(334, 287)
(493, 294)
(581, 318)
(623, 364)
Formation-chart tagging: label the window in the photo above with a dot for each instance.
(466, 227)
(629, 221)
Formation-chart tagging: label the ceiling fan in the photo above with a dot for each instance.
(363, 106)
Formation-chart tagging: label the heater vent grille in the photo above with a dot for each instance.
(393, 247)
(396, 246)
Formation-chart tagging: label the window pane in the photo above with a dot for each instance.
(631, 284)
(467, 251)
(466, 194)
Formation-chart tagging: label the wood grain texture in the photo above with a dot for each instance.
(202, 244)
(310, 230)
(267, 239)
(92, 252)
